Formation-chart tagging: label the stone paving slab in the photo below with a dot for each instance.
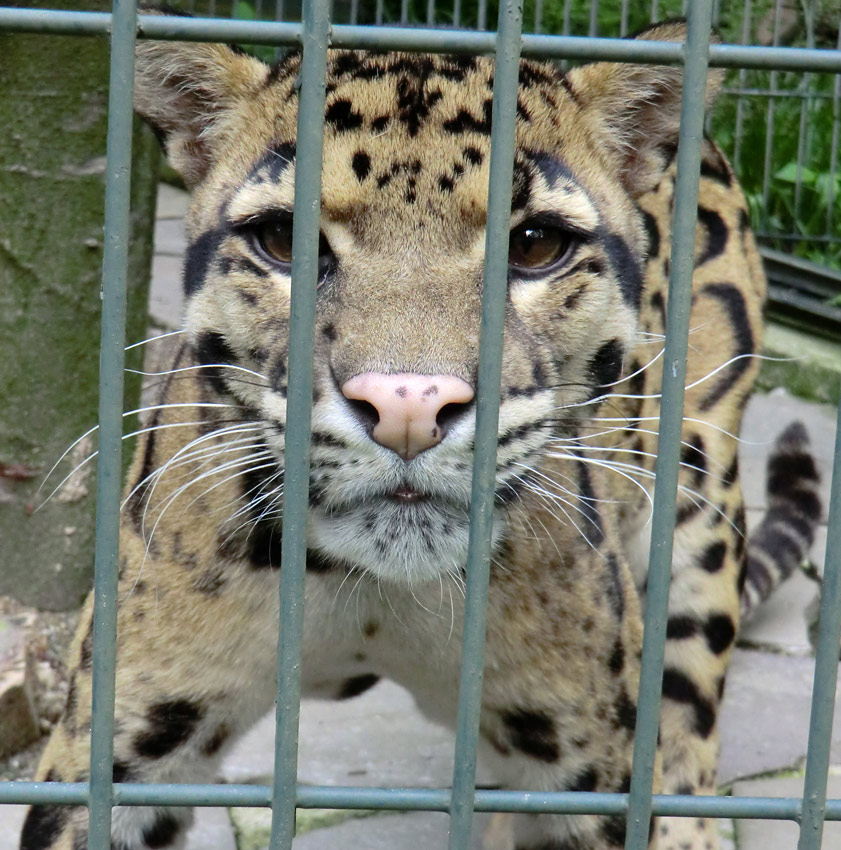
(172, 203)
(765, 715)
(11, 823)
(427, 830)
(211, 830)
(169, 237)
(780, 834)
(377, 738)
(166, 301)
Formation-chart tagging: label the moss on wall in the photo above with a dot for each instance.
(53, 111)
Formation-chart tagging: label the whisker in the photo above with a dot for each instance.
(153, 339)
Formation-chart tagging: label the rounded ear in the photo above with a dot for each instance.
(183, 90)
(634, 110)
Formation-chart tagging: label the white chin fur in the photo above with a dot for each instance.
(401, 543)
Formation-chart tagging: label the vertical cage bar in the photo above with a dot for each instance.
(769, 125)
(305, 237)
(593, 29)
(404, 12)
(655, 11)
(836, 143)
(743, 76)
(826, 670)
(671, 419)
(430, 12)
(538, 15)
(111, 364)
(623, 19)
(482, 15)
(495, 284)
(378, 13)
(803, 146)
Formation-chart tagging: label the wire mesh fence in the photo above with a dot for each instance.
(100, 794)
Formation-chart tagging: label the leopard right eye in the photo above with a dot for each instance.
(274, 238)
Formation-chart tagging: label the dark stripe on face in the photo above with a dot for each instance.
(606, 365)
(197, 260)
(626, 267)
(137, 503)
(733, 303)
(716, 230)
(615, 587)
(591, 525)
(213, 352)
(653, 234)
(551, 169)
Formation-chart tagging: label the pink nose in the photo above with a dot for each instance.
(408, 407)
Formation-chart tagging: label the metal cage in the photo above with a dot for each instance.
(314, 35)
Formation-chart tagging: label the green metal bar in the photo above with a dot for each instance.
(109, 464)
(422, 39)
(305, 238)
(494, 292)
(412, 799)
(671, 420)
(826, 669)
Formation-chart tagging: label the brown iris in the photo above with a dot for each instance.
(275, 238)
(537, 246)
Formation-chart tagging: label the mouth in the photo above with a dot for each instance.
(406, 495)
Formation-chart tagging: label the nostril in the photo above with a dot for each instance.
(365, 412)
(449, 415)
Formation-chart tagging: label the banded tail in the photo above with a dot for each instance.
(782, 541)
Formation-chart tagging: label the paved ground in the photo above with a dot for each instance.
(379, 739)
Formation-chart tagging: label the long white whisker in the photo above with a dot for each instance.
(153, 339)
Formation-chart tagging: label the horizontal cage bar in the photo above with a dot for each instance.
(413, 799)
(419, 39)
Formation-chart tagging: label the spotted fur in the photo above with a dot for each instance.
(404, 197)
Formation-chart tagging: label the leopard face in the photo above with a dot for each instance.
(404, 206)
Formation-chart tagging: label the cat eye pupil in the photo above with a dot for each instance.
(275, 238)
(534, 246)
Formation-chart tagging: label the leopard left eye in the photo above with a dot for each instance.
(535, 247)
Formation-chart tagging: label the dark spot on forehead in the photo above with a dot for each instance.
(401, 391)
(473, 155)
(465, 122)
(341, 115)
(361, 165)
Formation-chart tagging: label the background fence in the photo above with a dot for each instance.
(100, 794)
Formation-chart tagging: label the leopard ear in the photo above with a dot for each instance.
(634, 110)
(184, 90)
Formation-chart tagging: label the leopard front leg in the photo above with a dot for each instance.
(560, 693)
(185, 687)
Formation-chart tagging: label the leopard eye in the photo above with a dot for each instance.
(533, 246)
(274, 237)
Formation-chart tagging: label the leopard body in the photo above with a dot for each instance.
(404, 200)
